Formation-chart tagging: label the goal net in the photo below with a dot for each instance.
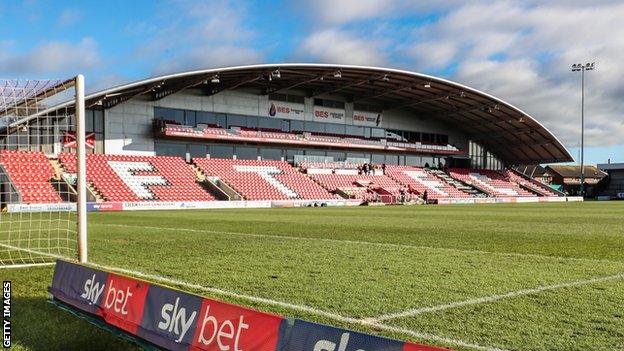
(42, 190)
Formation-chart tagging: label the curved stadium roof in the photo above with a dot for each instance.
(505, 130)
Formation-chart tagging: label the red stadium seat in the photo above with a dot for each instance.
(419, 179)
(121, 178)
(30, 173)
(493, 183)
(263, 180)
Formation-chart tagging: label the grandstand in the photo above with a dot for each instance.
(294, 134)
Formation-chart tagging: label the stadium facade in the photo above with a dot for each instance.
(325, 119)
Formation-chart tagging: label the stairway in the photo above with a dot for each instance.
(454, 182)
(58, 169)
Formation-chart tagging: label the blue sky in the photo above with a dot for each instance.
(519, 51)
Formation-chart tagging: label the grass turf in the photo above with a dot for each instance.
(365, 262)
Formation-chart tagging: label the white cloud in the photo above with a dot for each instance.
(345, 11)
(434, 55)
(68, 17)
(209, 57)
(202, 35)
(337, 46)
(522, 52)
(518, 51)
(51, 57)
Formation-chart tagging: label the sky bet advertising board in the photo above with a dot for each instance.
(175, 320)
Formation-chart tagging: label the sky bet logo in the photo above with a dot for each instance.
(225, 327)
(175, 320)
(317, 337)
(123, 302)
(170, 318)
(92, 290)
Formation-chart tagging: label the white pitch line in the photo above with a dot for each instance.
(369, 243)
(302, 308)
(492, 298)
(26, 265)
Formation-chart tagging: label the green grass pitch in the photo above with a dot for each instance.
(510, 277)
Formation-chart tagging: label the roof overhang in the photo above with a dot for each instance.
(502, 128)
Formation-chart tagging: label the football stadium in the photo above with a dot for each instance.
(295, 207)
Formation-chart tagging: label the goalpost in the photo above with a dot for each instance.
(43, 212)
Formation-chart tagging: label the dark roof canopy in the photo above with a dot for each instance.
(574, 171)
(503, 129)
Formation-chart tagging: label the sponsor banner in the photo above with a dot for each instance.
(124, 302)
(311, 336)
(79, 286)
(104, 206)
(288, 110)
(166, 205)
(175, 320)
(170, 318)
(62, 207)
(328, 114)
(223, 326)
(364, 118)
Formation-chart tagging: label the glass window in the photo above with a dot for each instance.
(338, 156)
(378, 158)
(197, 150)
(290, 154)
(335, 128)
(271, 154)
(412, 160)
(164, 113)
(178, 116)
(315, 127)
(220, 151)
(354, 130)
(252, 122)
(246, 153)
(220, 119)
(205, 118)
(236, 121)
(297, 126)
(99, 121)
(315, 152)
(426, 161)
(89, 121)
(378, 133)
(169, 149)
(270, 123)
(392, 159)
(189, 118)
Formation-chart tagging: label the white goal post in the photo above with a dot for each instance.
(43, 188)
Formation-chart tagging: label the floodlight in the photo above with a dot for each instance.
(338, 74)
(215, 79)
(276, 74)
(427, 85)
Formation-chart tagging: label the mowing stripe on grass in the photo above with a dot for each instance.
(302, 308)
(369, 243)
(492, 298)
